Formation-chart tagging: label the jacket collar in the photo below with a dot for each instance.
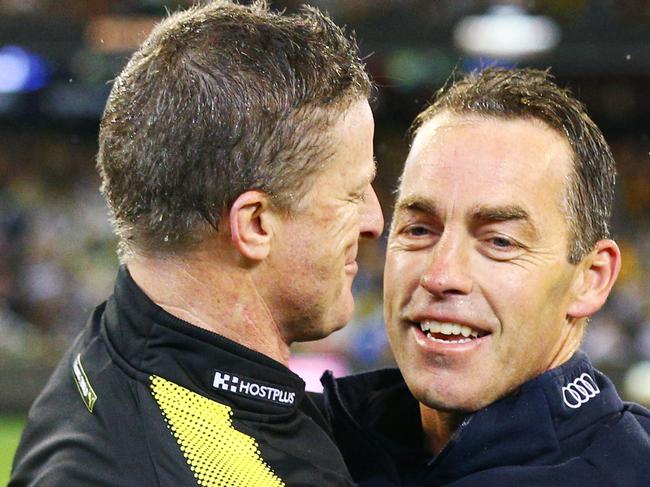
(523, 428)
(149, 341)
(529, 426)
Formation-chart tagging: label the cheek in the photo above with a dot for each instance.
(347, 229)
(529, 305)
(337, 233)
(392, 274)
(401, 277)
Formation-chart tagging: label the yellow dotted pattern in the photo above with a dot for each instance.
(218, 454)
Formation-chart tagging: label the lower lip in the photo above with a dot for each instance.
(352, 267)
(432, 346)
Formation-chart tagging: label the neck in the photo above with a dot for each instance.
(568, 343)
(218, 296)
(438, 427)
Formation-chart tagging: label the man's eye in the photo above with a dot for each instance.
(417, 231)
(501, 242)
(501, 248)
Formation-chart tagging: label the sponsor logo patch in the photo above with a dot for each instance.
(242, 386)
(580, 391)
(83, 384)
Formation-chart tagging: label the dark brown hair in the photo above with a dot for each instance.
(530, 93)
(221, 98)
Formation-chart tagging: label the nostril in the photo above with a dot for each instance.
(373, 226)
(442, 283)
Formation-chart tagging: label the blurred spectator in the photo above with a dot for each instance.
(56, 246)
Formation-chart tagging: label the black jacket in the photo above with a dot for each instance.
(567, 427)
(144, 399)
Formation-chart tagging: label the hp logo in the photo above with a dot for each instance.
(579, 391)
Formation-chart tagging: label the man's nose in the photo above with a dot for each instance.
(447, 272)
(372, 219)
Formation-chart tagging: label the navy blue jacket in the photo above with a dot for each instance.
(566, 427)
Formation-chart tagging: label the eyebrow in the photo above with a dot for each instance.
(479, 215)
(417, 204)
(489, 214)
(500, 213)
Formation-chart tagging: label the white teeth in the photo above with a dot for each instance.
(462, 340)
(448, 329)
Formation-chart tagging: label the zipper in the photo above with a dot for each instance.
(364, 438)
(440, 457)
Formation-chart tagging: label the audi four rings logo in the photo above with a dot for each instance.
(579, 391)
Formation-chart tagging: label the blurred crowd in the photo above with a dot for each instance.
(57, 257)
(57, 260)
(57, 251)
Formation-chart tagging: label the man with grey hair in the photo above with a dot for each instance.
(499, 251)
(236, 158)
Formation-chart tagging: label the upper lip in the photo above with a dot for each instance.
(352, 257)
(419, 318)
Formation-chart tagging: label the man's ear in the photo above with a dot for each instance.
(250, 224)
(597, 275)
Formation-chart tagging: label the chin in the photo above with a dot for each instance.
(444, 396)
(325, 318)
(452, 405)
(317, 333)
(467, 400)
(338, 324)
(322, 329)
(347, 310)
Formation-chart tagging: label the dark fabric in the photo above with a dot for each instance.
(125, 440)
(532, 438)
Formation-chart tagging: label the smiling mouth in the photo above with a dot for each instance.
(445, 332)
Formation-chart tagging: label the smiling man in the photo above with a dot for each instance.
(498, 253)
(236, 157)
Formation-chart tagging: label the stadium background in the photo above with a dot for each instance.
(57, 258)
